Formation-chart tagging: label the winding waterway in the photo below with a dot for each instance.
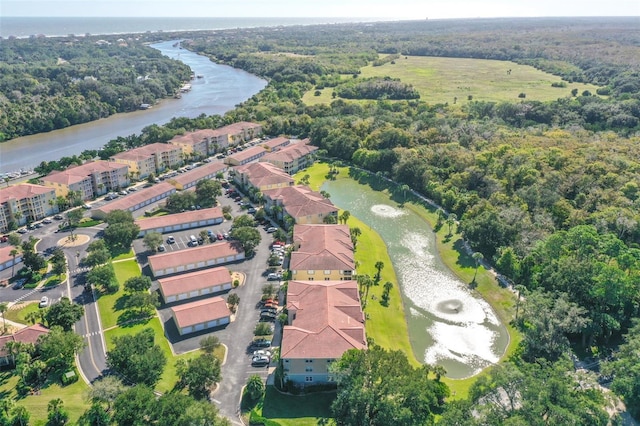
(449, 325)
(219, 90)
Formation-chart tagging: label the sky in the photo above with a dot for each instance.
(383, 9)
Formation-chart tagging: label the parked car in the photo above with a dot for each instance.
(267, 316)
(47, 220)
(19, 283)
(22, 231)
(132, 189)
(220, 237)
(271, 230)
(44, 302)
(4, 239)
(260, 361)
(171, 240)
(58, 217)
(123, 192)
(274, 276)
(161, 248)
(262, 353)
(86, 206)
(271, 310)
(261, 343)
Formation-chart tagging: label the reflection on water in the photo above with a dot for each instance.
(448, 324)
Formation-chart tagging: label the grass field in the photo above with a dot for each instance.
(20, 315)
(304, 410)
(111, 305)
(440, 80)
(72, 395)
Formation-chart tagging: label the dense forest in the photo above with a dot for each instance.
(548, 192)
(51, 83)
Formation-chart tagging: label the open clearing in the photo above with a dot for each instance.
(441, 80)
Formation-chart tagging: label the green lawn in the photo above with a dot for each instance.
(72, 395)
(111, 305)
(20, 315)
(286, 410)
(440, 80)
(127, 255)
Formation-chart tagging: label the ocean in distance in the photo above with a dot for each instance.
(27, 26)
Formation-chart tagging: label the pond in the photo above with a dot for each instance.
(449, 324)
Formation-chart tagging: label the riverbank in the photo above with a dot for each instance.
(450, 249)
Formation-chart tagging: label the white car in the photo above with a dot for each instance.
(262, 353)
(44, 302)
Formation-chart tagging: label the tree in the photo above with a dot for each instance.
(56, 414)
(385, 293)
(344, 217)
(243, 221)
(143, 301)
(105, 277)
(182, 201)
(379, 267)
(20, 416)
(73, 218)
(199, 374)
(58, 261)
(96, 415)
(64, 314)
(119, 236)
(133, 406)
(451, 220)
(355, 232)
(233, 299)
(262, 329)
(13, 253)
(58, 348)
(477, 257)
(118, 216)
(137, 357)
(209, 344)
(152, 240)
(248, 238)
(364, 284)
(106, 390)
(379, 387)
(3, 308)
(625, 370)
(140, 283)
(255, 387)
(207, 191)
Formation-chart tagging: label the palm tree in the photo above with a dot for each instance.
(355, 233)
(451, 219)
(379, 266)
(3, 308)
(364, 282)
(344, 216)
(477, 256)
(13, 253)
(325, 194)
(404, 188)
(255, 387)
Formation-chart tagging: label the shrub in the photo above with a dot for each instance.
(69, 377)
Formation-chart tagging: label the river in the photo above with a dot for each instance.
(449, 324)
(220, 90)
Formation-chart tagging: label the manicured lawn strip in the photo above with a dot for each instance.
(20, 315)
(55, 280)
(72, 395)
(122, 256)
(107, 302)
(287, 410)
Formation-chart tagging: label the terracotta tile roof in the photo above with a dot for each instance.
(26, 335)
(185, 283)
(200, 312)
(264, 174)
(5, 256)
(276, 143)
(23, 190)
(301, 201)
(131, 200)
(290, 153)
(179, 218)
(146, 151)
(79, 173)
(247, 153)
(322, 247)
(328, 320)
(194, 255)
(199, 173)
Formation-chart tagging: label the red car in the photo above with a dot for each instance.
(4, 239)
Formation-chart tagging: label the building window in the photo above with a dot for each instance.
(308, 361)
(309, 369)
(311, 272)
(327, 272)
(308, 379)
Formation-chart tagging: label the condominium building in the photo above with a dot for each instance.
(90, 179)
(154, 158)
(24, 203)
(292, 158)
